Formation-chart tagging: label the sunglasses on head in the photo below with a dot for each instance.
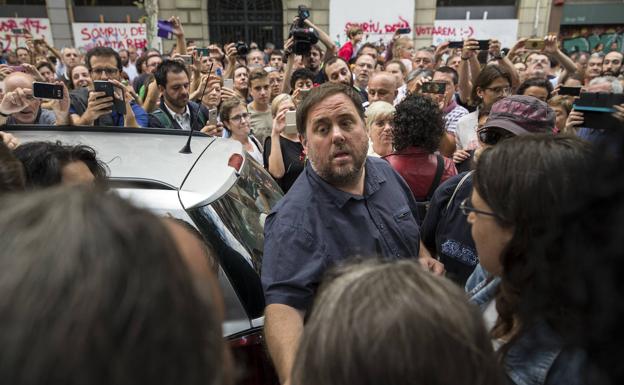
(493, 135)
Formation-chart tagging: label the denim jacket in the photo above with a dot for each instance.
(537, 357)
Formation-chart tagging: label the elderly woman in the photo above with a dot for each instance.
(283, 150)
(418, 129)
(379, 124)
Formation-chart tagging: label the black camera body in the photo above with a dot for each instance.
(242, 49)
(304, 38)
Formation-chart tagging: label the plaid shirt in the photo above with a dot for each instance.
(452, 113)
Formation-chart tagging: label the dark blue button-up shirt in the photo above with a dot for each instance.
(316, 225)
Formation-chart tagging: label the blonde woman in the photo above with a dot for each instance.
(283, 151)
(379, 117)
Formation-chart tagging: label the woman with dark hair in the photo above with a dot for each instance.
(92, 286)
(492, 84)
(47, 164)
(410, 327)
(79, 77)
(237, 123)
(416, 134)
(537, 87)
(508, 211)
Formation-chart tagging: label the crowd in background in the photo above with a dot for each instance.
(516, 199)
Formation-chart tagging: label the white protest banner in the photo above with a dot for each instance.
(504, 30)
(114, 35)
(377, 22)
(39, 28)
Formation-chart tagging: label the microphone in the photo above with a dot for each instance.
(187, 147)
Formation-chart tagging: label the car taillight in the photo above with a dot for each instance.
(251, 360)
(236, 161)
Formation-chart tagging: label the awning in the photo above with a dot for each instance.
(584, 14)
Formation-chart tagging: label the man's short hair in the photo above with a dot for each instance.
(277, 52)
(366, 45)
(331, 60)
(526, 59)
(257, 74)
(168, 65)
(102, 52)
(301, 73)
(448, 70)
(318, 94)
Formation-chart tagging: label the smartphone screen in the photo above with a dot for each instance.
(18, 31)
(228, 83)
(404, 31)
(291, 123)
(203, 51)
(484, 45)
(47, 90)
(570, 91)
(456, 44)
(433, 88)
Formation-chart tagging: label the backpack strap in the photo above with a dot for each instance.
(438, 176)
(461, 182)
(163, 118)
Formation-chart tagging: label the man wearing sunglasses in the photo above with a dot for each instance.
(445, 231)
(95, 108)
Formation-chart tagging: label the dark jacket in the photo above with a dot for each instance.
(161, 118)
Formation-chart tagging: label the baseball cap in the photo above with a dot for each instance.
(521, 115)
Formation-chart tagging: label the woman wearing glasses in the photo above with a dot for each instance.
(445, 232)
(510, 213)
(237, 123)
(493, 83)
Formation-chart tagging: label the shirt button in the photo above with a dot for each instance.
(381, 227)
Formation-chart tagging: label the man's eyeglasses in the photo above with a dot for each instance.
(500, 90)
(466, 208)
(107, 71)
(492, 135)
(238, 118)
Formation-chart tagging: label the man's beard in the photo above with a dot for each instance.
(344, 175)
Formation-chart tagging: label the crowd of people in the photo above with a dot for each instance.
(451, 215)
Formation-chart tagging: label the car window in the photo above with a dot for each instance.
(234, 224)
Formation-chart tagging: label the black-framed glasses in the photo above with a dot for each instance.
(466, 208)
(493, 135)
(238, 118)
(108, 71)
(500, 90)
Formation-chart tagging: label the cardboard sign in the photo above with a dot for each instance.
(377, 25)
(114, 35)
(39, 29)
(505, 30)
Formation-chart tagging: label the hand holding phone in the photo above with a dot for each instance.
(47, 90)
(291, 123)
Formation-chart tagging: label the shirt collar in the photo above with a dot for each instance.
(450, 107)
(173, 113)
(372, 183)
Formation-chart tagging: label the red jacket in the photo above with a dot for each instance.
(346, 51)
(418, 168)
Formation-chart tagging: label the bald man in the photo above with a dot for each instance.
(20, 107)
(382, 86)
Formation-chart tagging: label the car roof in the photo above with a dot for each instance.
(150, 155)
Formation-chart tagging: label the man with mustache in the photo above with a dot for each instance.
(343, 205)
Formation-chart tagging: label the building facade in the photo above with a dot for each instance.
(584, 23)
